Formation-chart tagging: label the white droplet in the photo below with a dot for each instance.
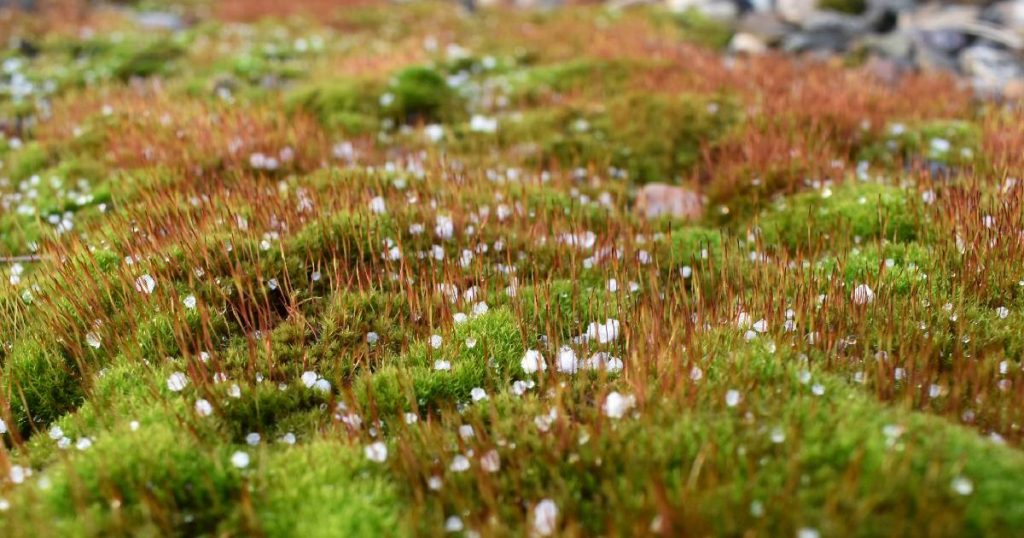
(240, 459)
(616, 405)
(177, 381)
(732, 398)
(145, 284)
(545, 517)
(863, 295)
(962, 485)
(533, 362)
(377, 452)
(204, 408)
(459, 464)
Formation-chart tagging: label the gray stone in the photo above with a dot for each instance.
(1009, 14)
(949, 41)
(744, 43)
(26, 5)
(795, 11)
(959, 19)
(990, 68)
(927, 58)
(825, 40)
(893, 45)
(765, 26)
(160, 20)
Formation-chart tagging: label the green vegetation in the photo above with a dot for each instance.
(378, 273)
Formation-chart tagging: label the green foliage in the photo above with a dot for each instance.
(156, 58)
(852, 210)
(952, 143)
(566, 306)
(852, 7)
(323, 326)
(31, 158)
(421, 94)
(653, 138)
(347, 105)
(482, 352)
(577, 75)
(198, 489)
(325, 489)
(702, 29)
(266, 409)
(40, 383)
(692, 245)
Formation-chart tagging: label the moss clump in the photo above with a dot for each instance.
(587, 75)
(156, 337)
(40, 383)
(694, 245)
(853, 210)
(156, 58)
(323, 489)
(346, 105)
(266, 409)
(31, 158)
(421, 94)
(651, 138)
(112, 486)
(566, 306)
(904, 461)
(852, 7)
(702, 29)
(903, 266)
(483, 351)
(350, 317)
(951, 143)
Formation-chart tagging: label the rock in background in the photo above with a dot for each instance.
(984, 43)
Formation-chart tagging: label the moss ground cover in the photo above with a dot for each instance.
(377, 272)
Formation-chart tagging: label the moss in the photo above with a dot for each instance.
(484, 351)
(566, 306)
(266, 409)
(702, 29)
(31, 158)
(197, 493)
(796, 454)
(948, 142)
(652, 138)
(156, 337)
(421, 94)
(352, 237)
(852, 7)
(326, 488)
(387, 390)
(692, 245)
(347, 105)
(583, 75)
(903, 267)
(853, 210)
(348, 319)
(40, 384)
(155, 58)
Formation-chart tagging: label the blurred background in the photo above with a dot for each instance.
(981, 40)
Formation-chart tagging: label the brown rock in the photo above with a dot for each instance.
(659, 200)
